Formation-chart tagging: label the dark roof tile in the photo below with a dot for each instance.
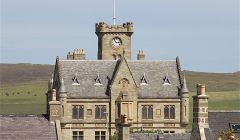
(26, 127)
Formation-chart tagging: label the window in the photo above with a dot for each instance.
(118, 108)
(114, 57)
(100, 112)
(166, 80)
(147, 112)
(77, 112)
(119, 56)
(124, 108)
(143, 80)
(98, 81)
(235, 127)
(75, 81)
(100, 135)
(77, 135)
(169, 112)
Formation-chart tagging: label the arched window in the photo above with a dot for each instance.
(119, 56)
(124, 82)
(169, 112)
(114, 57)
(147, 112)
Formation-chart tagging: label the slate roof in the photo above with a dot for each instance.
(219, 120)
(26, 128)
(87, 71)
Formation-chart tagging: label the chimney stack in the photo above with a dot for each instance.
(200, 113)
(141, 55)
(201, 89)
(77, 54)
(70, 56)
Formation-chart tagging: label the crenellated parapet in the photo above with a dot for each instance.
(124, 28)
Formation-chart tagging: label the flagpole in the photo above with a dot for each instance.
(114, 12)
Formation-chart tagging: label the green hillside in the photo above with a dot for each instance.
(214, 81)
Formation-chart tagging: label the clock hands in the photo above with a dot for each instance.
(116, 42)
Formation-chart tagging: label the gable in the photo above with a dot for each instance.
(123, 72)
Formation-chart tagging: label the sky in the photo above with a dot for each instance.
(203, 33)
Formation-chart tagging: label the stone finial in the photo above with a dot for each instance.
(50, 83)
(201, 89)
(184, 87)
(54, 95)
(141, 55)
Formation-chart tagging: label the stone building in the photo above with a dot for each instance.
(88, 97)
(96, 99)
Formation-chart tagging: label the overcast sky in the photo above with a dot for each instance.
(203, 33)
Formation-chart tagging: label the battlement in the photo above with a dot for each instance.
(124, 28)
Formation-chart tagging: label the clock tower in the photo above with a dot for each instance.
(113, 40)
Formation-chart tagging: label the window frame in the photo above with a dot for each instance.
(102, 112)
(170, 113)
(147, 116)
(78, 136)
(80, 112)
(101, 135)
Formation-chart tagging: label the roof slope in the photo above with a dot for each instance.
(26, 128)
(155, 73)
(220, 120)
(86, 72)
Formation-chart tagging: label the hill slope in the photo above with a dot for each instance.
(31, 73)
(24, 73)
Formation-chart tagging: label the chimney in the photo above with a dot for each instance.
(200, 113)
(201, 89)
(70, 56)
(141, 55)
(78, 54)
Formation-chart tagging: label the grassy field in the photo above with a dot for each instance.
(23, 98)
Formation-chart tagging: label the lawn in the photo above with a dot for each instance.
(23, 98)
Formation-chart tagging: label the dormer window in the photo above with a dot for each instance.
(75, 81)
(143, 80)
(166, 80)
(98, 81)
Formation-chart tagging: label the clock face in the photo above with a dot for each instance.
(116, 42)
